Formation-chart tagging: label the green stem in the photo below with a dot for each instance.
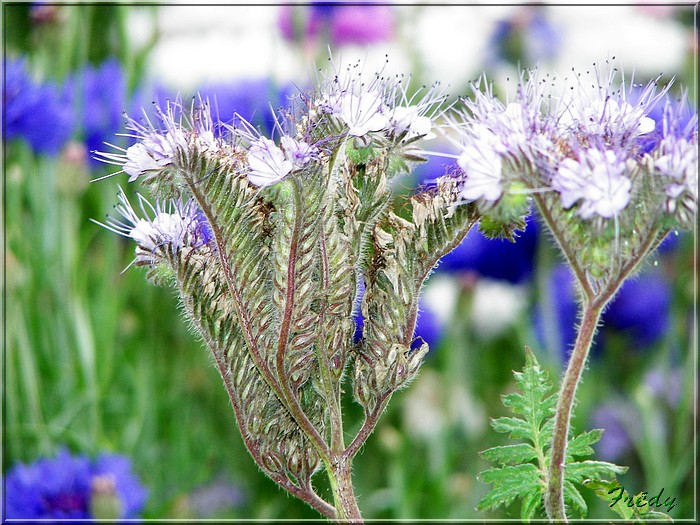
(592, 306)
(340, 476)
(554, 498)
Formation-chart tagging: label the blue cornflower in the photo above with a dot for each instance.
(641, 309)
(620, 422)
(639, 312)
(35, 112)
(100, 99)
(249, 99)
(494, 258)
(68, 487)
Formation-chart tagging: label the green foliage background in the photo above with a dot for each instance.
(96, 359)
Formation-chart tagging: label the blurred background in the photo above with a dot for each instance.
(99, 364)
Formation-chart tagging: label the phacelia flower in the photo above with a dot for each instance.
(482, 166)
(156, 147)
(362, 113)
(597, 180)
(166, 226)
(408, 119)
(70, 487)
(588, 138)
(35, 112)
(269, 163)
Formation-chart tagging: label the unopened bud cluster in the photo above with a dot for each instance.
(269, 239)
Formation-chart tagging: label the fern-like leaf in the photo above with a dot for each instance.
(524, 466)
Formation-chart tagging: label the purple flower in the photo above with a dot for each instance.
(64, 487)
(361, 24)
(174, 225)
(100, 97)
(583, 137)
(494, 258)
(157, 145)
(528, 36)
(617, 420)
(340, 24)
(597, 181)
(35, 112)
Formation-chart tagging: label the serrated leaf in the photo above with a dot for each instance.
(510, 454)
(573, 496)
(531, 502)
(580, 470)
(581, 444)
(509, 483)
(516, 428)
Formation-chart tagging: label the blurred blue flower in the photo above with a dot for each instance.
(641, 308)
(63, 487)
(555, 316)
(35, 112)
(253, 99)
(616, 420)
(672, 116)
(100, 98)
(640, 311)
(342, 24)
(526, 38)
(495, 258)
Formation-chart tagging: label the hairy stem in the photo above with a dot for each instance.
(565, 248)
(592, 306)
(340, 476)
(554, 498)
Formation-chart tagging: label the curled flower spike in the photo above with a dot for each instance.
(170, 226)
(157, 147)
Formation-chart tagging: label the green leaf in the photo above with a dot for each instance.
(509, 483)
(510, 454)
(581, 444)
(581, 470)
(517, 428)
(527, 463)
(531, 502)
(573, 496)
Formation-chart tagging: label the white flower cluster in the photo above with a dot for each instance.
(585, 140)
(380, 106)
(269, 163)
(170, 226)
